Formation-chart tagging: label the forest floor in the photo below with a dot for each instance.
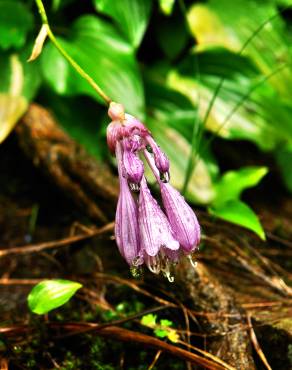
(238, 298)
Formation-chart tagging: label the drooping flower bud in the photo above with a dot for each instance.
(155, 231)
(126, 224)
(160, 159)
(133, 169)
(181, 217)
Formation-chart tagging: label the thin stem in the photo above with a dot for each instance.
(152, 166)
(71, 61)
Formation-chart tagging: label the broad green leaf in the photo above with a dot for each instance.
(166, 6)
(171, 118)
(177, 148)
(19, 82)
(131, 16)
(170, 106)
(208, 29)
(232, 115)
(239, 213)
(218, 23)
(105, 56)
(283, 156)
(173, 36)
(51, 294)
(232, 183)
(15, 22)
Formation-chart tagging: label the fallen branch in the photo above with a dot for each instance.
(35, 248)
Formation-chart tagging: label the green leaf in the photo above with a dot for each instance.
(165, 322)
(201, 188)
(149, 320)
(161, 333)
(15, 22)
(217, 23)
(171, 118)
(232, 183)
(19, 83)
(284, 159)
(131, 16)
(105, 56)
(166, 6)
(230, 116)
(173, 36)
(239, 213)
(51, 294)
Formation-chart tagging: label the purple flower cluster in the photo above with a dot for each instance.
(144, 232)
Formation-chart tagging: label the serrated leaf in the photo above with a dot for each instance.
(131, 16)
(173, 336)
(105, 56)
(149, 320)
(232, 183)
(165, 322)
(15, 21)
(51, 294)
(161, 333)
(239, 213)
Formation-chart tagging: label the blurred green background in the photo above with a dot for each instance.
(192, 71)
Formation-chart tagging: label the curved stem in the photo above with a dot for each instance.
(71, 61)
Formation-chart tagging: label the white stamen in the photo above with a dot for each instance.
(193, 263)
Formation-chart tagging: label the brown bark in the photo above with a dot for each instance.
(89, 184)
(205, 293)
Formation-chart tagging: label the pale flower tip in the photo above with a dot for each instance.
(116, 111)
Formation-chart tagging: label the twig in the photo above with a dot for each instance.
(126, 335)
(256, 343)
(153, 363)
(55, 243)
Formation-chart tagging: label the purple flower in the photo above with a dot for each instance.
(144, 233)
(133, 168)
(160, 159)
(181, 217)
(126, 225)
(155, 232)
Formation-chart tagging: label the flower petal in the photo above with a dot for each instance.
(155, 231)
(126, 225)
(181, 217)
